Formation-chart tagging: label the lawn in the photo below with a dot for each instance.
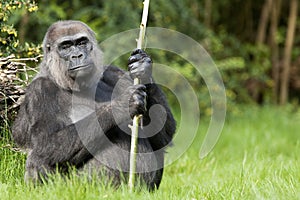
(256, 157)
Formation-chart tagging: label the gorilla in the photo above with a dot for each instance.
(76, 112)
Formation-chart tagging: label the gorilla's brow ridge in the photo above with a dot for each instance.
(76, 37)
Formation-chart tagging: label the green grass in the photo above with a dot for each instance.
(257, 157)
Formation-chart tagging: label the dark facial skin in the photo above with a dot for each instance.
(75, 50)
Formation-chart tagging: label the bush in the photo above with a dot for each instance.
(15, 70)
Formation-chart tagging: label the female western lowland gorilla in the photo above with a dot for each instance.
(76, 111)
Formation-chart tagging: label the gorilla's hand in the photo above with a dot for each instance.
(140, 66)
(131, 102)
(137, 102)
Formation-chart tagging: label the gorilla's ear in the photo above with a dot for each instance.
(48, 47)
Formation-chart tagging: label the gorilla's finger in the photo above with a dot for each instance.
(137, 57)
(137, 51)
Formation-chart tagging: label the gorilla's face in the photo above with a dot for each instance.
(75, 50)
(72, 57)
(71, 52)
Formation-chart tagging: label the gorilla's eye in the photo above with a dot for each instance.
(65, 45)
(82, 41)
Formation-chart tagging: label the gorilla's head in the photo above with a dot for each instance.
(72, 57)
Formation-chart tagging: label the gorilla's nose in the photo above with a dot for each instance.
(77, 56)
(77, 59)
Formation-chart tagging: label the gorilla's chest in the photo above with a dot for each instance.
(85, 103)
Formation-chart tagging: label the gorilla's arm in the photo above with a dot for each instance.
(164, 137)
(154, 96)
(140, 66)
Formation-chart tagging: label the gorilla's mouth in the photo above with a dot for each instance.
(79, 67)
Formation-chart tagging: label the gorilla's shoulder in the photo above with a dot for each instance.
(42, 84)
(39, 92)
(113, 74)
(113, 71)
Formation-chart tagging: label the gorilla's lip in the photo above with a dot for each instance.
(79, 67)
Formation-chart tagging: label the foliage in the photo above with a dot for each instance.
(9, 43)
(15, 58)
(229, 40)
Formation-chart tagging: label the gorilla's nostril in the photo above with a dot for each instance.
(77, 56)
